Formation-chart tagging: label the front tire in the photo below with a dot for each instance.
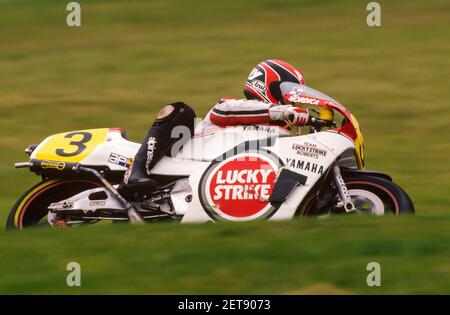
(31, 208)
(378, 196)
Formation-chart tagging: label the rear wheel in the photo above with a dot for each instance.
(31, 208)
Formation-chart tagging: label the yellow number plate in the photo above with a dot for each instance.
(71, 146)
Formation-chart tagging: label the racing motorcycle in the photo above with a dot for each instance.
(237, 174)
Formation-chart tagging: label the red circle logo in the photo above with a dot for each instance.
(240, 187)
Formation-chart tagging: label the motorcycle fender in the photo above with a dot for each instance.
(349, 172)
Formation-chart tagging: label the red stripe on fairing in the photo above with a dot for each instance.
(270, 76)
(116, 129)
(40, 192)
(397, 208)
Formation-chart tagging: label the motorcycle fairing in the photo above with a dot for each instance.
(286, 183)
(104, 147)
(352, 130)
(329, 145)
(71, 146)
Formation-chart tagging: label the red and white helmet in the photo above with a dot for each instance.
(264, 81)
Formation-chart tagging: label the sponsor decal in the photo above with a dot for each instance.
(120, 160)
(98, 203)
(238, 189)
(151, 146)
(309, 150)
(303, 100)
(53, 165)
(297, 90)
(305, 166)
(268, 129)
(259, 85)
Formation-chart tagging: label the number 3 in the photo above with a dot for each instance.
(79, 144)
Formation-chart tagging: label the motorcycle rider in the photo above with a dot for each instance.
(264, 105)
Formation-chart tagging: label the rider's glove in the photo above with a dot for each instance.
(295, 115)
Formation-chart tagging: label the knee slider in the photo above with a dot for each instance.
(165, 113)
(171, 110)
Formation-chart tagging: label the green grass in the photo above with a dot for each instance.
(309, 256)
(131, 57)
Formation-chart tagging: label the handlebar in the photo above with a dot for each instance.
(316, 122)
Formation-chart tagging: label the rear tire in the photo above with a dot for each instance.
(31, 208)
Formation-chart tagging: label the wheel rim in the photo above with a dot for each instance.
(366, 201)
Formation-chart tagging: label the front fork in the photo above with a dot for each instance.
(342, 190)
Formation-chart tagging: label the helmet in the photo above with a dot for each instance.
(264, 81)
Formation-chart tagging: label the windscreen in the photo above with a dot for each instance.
(304, 90)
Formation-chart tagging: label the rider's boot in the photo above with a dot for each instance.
(157, 143)
(137, 175)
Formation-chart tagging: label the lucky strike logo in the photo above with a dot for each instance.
(241, 187)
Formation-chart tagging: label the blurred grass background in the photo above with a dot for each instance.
(297, 257)
(131, 57)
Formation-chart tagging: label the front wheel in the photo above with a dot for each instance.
(378, 196)
(31, 208)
